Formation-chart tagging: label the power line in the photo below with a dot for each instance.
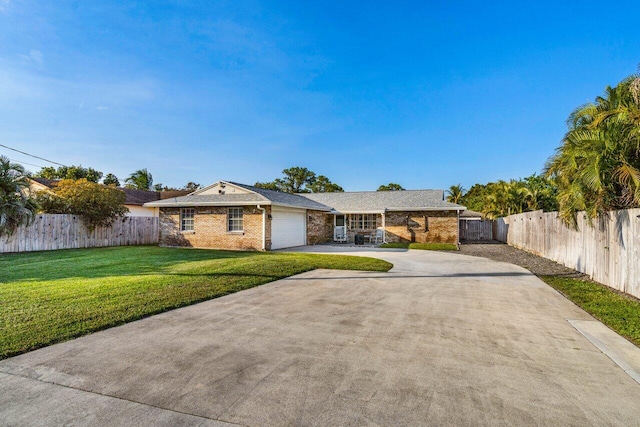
(30, 164)
(31, 155)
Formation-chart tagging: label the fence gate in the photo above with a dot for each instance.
(476, 230)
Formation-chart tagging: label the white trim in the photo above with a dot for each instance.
(264, 227)
(191, 203)
(195, 193)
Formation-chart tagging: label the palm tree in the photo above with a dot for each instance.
(597, 167)
(140, 180)
(16, 207)
(455, 193)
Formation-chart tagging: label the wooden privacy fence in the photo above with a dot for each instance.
(476, 230)
(608, 251)
(52, 231)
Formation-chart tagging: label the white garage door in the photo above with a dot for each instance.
(288, 228)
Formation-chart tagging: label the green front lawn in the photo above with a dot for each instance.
(619, 312)
(422, 246)
(48, 297)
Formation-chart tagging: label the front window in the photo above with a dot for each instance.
(363, 221)
(234, 219)
(187, 216)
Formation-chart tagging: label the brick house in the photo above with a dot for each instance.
(229, 215)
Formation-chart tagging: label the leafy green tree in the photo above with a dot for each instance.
(542, 193)
(597, 167)
(16, 207)
(322, 184)
(69, 172)
(502, 198)
(270, 185)
(97, 204)
(474, 198)
(392, 186)
(140, 180)
(192, 186)
(111, 179)
(300, 180)
(455, 193)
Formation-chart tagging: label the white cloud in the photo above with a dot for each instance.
(34, 57)
(4, 4)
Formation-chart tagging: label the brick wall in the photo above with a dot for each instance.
(410, 227)
(319, 227)
(210, 229)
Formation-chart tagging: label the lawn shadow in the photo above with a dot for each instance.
(105, 262)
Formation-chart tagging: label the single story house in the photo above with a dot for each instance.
(229, 215)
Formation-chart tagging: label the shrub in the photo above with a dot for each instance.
(97, 204)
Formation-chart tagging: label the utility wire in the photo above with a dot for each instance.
(31, 155)
(30, 164)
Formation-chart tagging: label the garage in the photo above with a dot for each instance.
(288, 227)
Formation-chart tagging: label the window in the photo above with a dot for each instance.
(363, 221)
(234, 219)
(186, 219)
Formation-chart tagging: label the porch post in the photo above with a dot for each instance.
(384, 228)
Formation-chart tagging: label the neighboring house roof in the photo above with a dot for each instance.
(45, 181)
(173, 193)
(470, 214)
(139, 197)
(253, 196)
(381, 201)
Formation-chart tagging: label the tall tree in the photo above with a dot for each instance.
(455, 193)
(111, 179)
(322, 184)
(597, 167)
(140, 180)
(300, 180)
(392, 186)
(191, 186)
(16, 207)
(69, 172)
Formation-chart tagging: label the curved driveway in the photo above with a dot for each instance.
(441, 339)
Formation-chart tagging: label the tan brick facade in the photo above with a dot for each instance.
(319, 227)
(422, 227)
(210, 229)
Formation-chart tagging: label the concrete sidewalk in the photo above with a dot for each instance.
(441, 339)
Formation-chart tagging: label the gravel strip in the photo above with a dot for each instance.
(538, 265)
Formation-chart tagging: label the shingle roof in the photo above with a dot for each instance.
(46, 181)
(286, 199)
(139, 197)
(365, 201)
(471, 214)
(257, 196)
(379, 201)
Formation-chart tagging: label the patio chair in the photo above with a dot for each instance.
(377, 237)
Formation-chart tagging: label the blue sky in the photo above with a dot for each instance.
(426, 94)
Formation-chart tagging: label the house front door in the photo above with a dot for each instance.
(339, 229)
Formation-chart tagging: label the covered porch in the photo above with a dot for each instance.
(359, 228)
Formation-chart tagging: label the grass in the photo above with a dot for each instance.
(422, 246)
(619, 312)
(48, 297)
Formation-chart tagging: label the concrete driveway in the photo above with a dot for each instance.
(441, 339)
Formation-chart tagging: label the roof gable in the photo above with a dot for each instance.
(217, 194)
